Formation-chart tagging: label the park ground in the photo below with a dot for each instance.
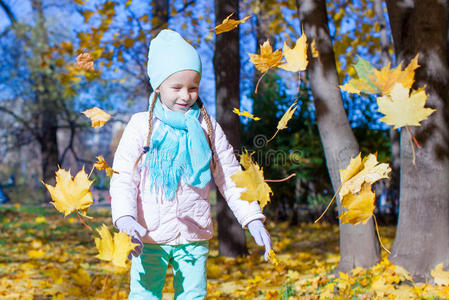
(46, 256)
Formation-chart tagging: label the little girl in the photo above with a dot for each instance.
(165, 161)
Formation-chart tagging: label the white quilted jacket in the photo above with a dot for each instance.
(187, 217)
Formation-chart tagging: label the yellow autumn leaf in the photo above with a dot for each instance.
(105, 244)
(97, 116)
(245, 114)
(401, 109)
(253, 180)
(101, 164)
(70, 194)
(35, 254)
(282, 124)
(314, 50)
(359, 206)
(387, 78)
(440, 276)
(267, 59)
(296, 57)
(373, 81)
(114, 250)
(360, 171)
(273, 258)
(85, 62)
(229, 24)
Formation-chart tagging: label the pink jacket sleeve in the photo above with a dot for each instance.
(226, 165)
(124, 185)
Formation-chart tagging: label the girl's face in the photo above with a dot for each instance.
(180, 91)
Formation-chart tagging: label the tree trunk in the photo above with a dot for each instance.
(358, 243)
(422, 236)
(393, 184)
(231, 237)
(48, 120)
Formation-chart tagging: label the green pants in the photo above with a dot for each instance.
(148, 271)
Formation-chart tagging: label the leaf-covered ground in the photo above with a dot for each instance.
(44, 256)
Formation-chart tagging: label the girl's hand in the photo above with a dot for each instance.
(131, 227)
(260, 235)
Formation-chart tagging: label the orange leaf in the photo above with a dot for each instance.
(85, 62)
(267, 59)
(228, 24)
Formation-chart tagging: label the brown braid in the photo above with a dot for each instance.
(206, 117)
(150, 128)
(210, 136)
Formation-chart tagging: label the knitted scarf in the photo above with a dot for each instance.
(178, 149)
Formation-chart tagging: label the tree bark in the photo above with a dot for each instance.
(422, 236)
(231, 237)
(358, 243)
(48, 120)
(385, 43)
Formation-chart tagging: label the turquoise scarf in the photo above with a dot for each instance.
(178, 149)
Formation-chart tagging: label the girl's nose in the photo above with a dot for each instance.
(185, 94)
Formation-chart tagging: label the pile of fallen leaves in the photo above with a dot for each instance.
(43, 255)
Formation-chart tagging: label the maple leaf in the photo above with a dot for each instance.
(245, 114)
(101, 164)
(114, 250)
(282, 124)
(360, 206)
(373, 81)
(97, 116)
(253, 180)
(71, 194)
(401, 109)
(361, 171)
(267, 59)
(440, 276)
(85, 62)
(296, 57)
(229, 24)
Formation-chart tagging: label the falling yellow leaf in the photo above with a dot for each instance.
(245, 114)
(97, 116)
(282, 124)
(373, 81)
(287, 116)
(70, 194)
(387, 78)
(85, 62)
(115, 250)
(101, 164)
(252, 179)
(229, 24)
(267, 59)
(358, 172)
(296, 57)
(402, 109)
(314, 50)
(359, 206)
(440, 276)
